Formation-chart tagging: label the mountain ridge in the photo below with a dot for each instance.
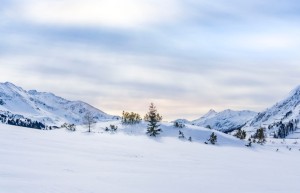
(45, 107)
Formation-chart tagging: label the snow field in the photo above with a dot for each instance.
(61, 161)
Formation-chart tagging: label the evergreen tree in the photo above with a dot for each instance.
(213, 138)
(260, 135)
(153, 118)
(208, 126)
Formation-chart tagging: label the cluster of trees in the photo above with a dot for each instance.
(130, 118)
(152, 117)
(21, 121)
(284, 129)
(259, 136)
(111, 128)
(241, 134)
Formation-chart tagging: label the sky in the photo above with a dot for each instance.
(186, 56)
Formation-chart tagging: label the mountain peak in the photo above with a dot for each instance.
(8, 87)
(210, 113)
(295, 92)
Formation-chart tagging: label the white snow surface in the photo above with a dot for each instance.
(59, 161)
(226, 120)
(45, 107)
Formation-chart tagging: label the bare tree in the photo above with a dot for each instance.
(89, 120)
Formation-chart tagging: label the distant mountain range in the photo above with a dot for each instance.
(44, 107)
(225, 121)
(38, 109)
(283, 117)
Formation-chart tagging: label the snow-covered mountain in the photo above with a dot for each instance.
(281, 119)
(225, 121)
(284, 111)
(45, 107)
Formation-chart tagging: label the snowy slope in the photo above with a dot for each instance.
(225, 121)
(45, 107)
(285, 110)
(283, 115)
(60, 161)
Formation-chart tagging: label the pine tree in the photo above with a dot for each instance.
(213, 138)
(208, 126)
(260, 135)
(153, 118)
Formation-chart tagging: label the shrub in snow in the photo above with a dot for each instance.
(153, 118)
(69, 127)
(111, 128)
(130, 118)
(181, 135)
(190, 139)
(249, 143)
(179, 124)
(213, 138)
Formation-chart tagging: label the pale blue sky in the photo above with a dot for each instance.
(186, 56)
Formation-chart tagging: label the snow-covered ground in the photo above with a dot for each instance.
(59, 161)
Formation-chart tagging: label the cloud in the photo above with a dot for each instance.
(188, 56)
(107, 13)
